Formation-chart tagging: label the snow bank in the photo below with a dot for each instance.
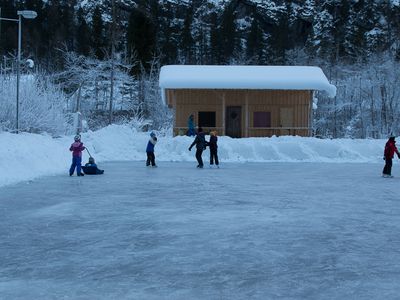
(26, 156)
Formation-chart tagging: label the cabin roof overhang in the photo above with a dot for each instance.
(245, 77)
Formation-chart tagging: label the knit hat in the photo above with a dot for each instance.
(77, 138)
(152, 134)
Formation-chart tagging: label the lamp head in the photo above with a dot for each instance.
(30, 63)
(27, 14)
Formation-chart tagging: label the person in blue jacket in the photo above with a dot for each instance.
(151, 158)
(91, 168)
(191, 131)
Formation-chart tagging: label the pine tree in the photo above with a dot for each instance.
(167, 42)
(380, 37)
(353, 37)
(82, 34)
(228, 34)
(54, 33)
(186, 39)
(323, 40)
(394, 21)
(8, 38)
(98, 34)
(279, 41)
(68, 24)
(33, 40)
(341, 17)
(215, 41)
(141, 39)
(356, 30)
(255, 43)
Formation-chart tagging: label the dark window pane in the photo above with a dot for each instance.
(262, 119)
(207, 118)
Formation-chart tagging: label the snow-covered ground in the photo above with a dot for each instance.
(245, 231)
(27, 156)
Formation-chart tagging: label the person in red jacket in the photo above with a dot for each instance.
(76, 149)
(390, 150)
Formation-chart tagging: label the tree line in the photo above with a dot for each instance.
(205, 32)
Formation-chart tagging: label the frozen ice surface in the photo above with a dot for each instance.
(245, 231)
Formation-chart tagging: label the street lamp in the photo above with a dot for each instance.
(27, 14)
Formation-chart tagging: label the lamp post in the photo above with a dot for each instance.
(27, 14)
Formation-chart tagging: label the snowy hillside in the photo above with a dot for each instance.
(27, 156)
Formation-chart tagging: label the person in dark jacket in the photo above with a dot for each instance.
(91, 168)
(151, 158)
(200, 142)
(390, 150)
(213, 148)
(76, 149)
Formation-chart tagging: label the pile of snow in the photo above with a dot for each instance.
(26, 156)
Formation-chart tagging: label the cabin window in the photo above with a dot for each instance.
(207, 118)
(262, 119)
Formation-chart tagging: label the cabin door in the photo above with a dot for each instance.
(287, 120)
(233, 126)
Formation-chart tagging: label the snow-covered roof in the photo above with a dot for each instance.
(245, 77)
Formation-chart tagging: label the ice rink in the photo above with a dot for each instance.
(245, 231)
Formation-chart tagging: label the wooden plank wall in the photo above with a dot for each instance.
(191, 101)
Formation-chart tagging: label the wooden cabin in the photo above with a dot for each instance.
(243, 101)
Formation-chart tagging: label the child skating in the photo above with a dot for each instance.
(76, 149)
(213, 149)
(151, 159)
(390, 150)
